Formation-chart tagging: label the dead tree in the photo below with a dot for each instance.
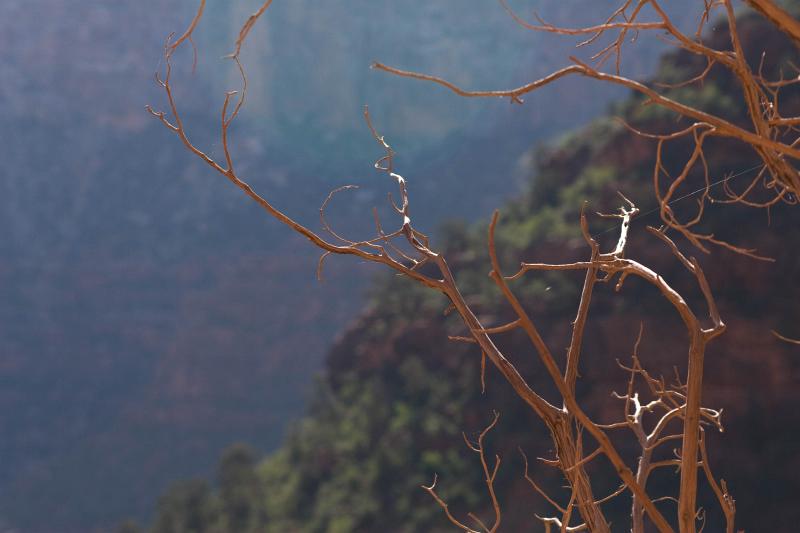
(680, 415)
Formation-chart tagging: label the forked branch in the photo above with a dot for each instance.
(489, 473)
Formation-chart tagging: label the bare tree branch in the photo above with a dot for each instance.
(655, 412)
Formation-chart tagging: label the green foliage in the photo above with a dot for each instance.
(236, 506)
(188, 507)
(240, 491)
(346, 466)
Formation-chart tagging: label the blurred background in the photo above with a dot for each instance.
(151, 316)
